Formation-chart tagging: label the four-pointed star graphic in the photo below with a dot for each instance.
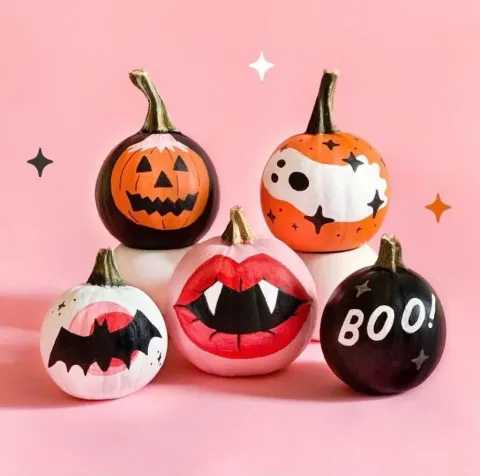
(40, 162)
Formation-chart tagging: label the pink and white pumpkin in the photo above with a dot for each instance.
(240, 306)
(103, 339)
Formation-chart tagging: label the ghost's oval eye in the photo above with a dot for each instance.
(180, 165)
(144, 165)
(298, 181)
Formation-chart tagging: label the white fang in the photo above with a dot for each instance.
(211, 296)
(270, 293)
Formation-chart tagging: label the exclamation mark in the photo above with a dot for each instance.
(432, 311)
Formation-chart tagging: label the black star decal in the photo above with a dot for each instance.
(61, 306)
(295, 226)
(359, 229)
(40, 162)
(330, 144)
(353, 161)
(375, 203)
(318, 219)
(271, 215)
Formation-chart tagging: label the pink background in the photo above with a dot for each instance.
(409, 85)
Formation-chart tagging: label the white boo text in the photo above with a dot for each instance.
(349, 327)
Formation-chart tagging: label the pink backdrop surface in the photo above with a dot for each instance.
(409, 75)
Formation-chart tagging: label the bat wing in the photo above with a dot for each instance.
(136, 336)
(72, 349)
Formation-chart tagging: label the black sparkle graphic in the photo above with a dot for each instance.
(318, 219)
(271, 216)
(353, 161)
(61, 306)
(295, 226)
(359, 229)
(40, 162)
(330, 144)
(376, 203)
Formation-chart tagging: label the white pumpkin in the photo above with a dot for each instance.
(149, 270)
(103, 339)
(330, 269)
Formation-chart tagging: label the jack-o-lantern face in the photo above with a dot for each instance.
(160, 183)
(324, 190)
(158, 188)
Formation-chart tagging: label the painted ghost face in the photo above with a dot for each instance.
(242, 311)
(324, 196)
(103, 342)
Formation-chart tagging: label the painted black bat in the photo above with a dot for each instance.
(102, 345)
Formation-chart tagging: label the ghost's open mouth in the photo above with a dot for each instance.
(162, 207)
(242, 310)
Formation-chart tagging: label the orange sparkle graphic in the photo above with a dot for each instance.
(438, 207)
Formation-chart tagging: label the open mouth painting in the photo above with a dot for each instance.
(240, 305)
(242, 310)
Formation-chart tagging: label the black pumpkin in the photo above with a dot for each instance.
(383, 329)
(157, 189)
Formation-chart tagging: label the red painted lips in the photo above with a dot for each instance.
(242, 310)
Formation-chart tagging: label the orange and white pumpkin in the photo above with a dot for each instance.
(325, 190)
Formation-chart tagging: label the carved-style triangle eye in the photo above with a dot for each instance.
(180, 165)
(144, 165)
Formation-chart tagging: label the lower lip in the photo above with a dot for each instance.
(116, 316)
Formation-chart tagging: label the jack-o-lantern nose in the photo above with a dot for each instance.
(163, 181)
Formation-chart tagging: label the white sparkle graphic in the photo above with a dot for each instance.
(261, 66)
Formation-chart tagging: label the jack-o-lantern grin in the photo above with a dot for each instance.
(160, 206)
(242, 310)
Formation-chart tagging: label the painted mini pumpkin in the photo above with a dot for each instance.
(383, 329)
(239, 305)
(157, 189)
(102, 339)
(324, 190)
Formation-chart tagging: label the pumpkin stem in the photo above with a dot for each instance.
(321, 120)
(238, 231)
(157, 119)
(105, 272)
(390, 254)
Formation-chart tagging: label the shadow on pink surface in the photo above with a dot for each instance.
(308, 380)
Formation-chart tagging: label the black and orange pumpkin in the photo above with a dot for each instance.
(157, 189)
(324, 190)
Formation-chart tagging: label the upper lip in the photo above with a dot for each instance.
(160, 206)
(265, 271)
